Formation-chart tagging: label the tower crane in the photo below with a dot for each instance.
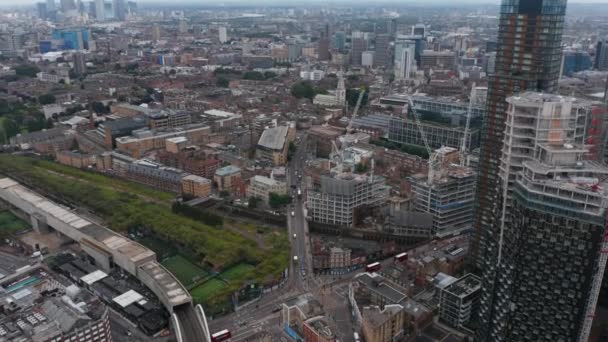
(349, 128)
(463, 146)
(433, 157)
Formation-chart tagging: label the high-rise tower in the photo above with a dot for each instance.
(528, 58)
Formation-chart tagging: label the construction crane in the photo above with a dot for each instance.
(349, 128)
(433, 157)
(463, 147)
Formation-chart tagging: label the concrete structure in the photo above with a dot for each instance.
(228, 178)
(142, 141)
(261, 187)
(449, 196)
(320, 139)
(196, 186)
(412, 224)
(342, 199)
(459, 301)
(108, 248)
(155, 175)
(384, 325)
(75, 159)
(405, 131)
(100, 10)
(601, 55)
(358, 45)
(274, 144)
(367, 59)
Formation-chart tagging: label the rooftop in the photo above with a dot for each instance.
(227, 170)
(274, 138)
(464, 286)
(376, 283)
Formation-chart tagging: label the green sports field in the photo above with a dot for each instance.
(206, 290)
(187, 272)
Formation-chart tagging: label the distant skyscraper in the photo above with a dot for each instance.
(68, 5)
(50, 5)
(323, 44)
(339, 42)
(358, 45)
(100, 10)
(575, 61)
(405, 61)
(223, 34)
(42, 10)
(528, 58)
(382, 57)
(120, 9)
(419, 30)
(601, 55)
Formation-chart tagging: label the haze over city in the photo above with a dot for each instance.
(319, 171)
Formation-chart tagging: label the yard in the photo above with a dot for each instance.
(187, 272)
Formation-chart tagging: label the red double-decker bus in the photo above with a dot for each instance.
(221, 336)
(401, 257)
(373, 267)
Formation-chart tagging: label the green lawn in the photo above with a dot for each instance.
(207, 290)
(187, 272)
(237, 271)
(10, 224)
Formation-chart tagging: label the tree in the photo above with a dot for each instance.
(222, 82)
(46, 99)
(99, 108)
(303, 90)
(10, 128)
(254, 202)
(276, 201)
(361, 168)
(352, 95)
(253, 75)
(26, 70)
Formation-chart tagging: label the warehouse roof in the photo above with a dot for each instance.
(274, 138)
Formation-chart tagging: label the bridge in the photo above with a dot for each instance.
(111, 250)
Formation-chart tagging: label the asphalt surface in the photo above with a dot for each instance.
(190, 327)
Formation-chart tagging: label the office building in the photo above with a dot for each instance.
(358, 45)
(11, 42)
(601, 55)
(575, 61)
(459, 301)
(323, 44)
(406, 131)
(50, 6)
(342, 199)
(261, 187)
(76, 38)
(528, 63)
(100, 10)
(339, 42)
(223, 34)
(419, 30)
(383, 55)
(405, 59)
(441, 60)
(448, 195)
(156, 32)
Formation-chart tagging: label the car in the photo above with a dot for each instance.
(293, 213)
(294, 236)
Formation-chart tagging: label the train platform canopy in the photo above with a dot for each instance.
(129, 298)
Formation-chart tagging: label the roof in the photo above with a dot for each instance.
(93, 277)
(227, 170)
(274, 138)
(128, 298)
(464, 286)
(196, 179)
(379, 285)
(412, 219)
(219, 113)
(265, 180)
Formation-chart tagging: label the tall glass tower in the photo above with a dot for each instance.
(528, 58)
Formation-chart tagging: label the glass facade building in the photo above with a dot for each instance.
(528, 57)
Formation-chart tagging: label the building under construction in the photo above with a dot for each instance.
(344, 199)
(448, 195)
